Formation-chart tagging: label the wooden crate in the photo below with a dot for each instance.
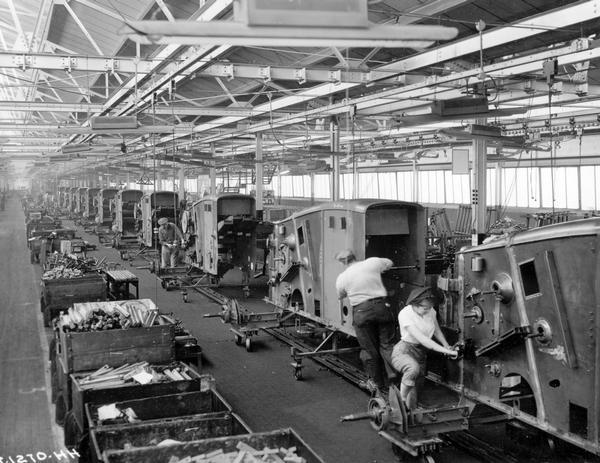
(60, 293)
(183, 428)
(81, 397)
(93, 349)
(165, 406)
(274, 439)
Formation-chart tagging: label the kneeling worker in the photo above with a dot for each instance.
(372, 315)
(168, 234)
(418, 324)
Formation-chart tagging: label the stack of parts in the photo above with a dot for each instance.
(245, 454)
(61, 271)
(112, 315)
(137, 373)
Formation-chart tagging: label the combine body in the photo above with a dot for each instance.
(71, 199)
(527, 308)
(80, 198)
(227, 233)
(302, 249)
(125, 208)
(153, 206)
(90, 203)
(105, 206)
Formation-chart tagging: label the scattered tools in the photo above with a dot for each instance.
(140, 373)
(245, 454)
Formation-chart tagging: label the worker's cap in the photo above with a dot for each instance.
(162, 220)
(345, 255)
(420, 294)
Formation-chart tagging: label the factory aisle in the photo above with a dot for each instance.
(24, 392)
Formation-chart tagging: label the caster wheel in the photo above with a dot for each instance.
(185, 297)
(238, 340)
(248, 345)
(298, 375)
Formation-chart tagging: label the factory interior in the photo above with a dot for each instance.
(183, 184)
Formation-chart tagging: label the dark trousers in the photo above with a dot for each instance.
(375, 329)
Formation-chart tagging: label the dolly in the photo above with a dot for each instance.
(413, 432)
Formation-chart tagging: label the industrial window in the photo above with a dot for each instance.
(578, 420)
(346, 186)
(331, 221)
(343, 223)
(404, 182)
(322, 186)
(368, 187)
(387, 185)
(529, 278)
(300, 235)
(590, 192)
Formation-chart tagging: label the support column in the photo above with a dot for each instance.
(181, 179)
(478, 190)
(259, 175)
(213, 171)
(415, 192)
(499, 174)
(158, 176)
(334, 134)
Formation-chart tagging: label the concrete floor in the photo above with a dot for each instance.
(259, 385)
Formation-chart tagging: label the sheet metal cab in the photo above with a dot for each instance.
(226, 233)
(527, 308)
(153, 206)
(105, 206)
(80, 198)
(90, 203)
(126, 202)
(302, 249)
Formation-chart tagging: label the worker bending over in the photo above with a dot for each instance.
(372, 315)
(418, 324)
(169, 237)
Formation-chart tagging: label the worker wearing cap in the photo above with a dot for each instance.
(418, 325)
(372, 316)
(168, 236)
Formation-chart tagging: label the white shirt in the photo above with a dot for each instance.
(425, 324)
(361, 281)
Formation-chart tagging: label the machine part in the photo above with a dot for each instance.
(416, 432)
(542, 332)
(494, 368)
(503, 289)
(380, 413)
(477, 264)
(505, 340)
(476, 314)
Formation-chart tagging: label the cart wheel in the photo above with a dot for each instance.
(72, 433)
(184, 295)
(248, 345)
(238, 340)
(298, 374)
(60, 409)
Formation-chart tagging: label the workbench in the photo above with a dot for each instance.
(120, 283)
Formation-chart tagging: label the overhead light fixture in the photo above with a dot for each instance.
(239, 34)
(113, 123)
